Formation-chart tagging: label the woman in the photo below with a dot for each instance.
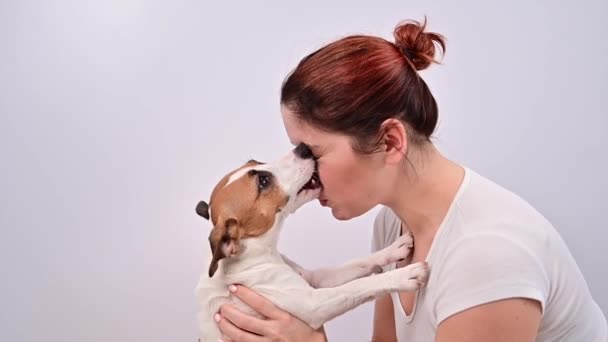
(500, 271)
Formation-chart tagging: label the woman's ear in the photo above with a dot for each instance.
(394, 140)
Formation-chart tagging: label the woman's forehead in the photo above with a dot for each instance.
(308, 135)
(299, 131)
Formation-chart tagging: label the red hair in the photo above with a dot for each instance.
(354, 84)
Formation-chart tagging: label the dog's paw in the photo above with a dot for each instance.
(413, 277)
(399, 249)
(376, 269)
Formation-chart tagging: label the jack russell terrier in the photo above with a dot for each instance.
(246, 211)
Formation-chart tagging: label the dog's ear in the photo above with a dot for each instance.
(202, 209)
(225, 242)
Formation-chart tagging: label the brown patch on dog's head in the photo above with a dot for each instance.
(243, 204)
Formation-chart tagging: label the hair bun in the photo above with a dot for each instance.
(416, 45)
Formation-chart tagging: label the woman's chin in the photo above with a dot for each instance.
(340, 215)
(343, 214)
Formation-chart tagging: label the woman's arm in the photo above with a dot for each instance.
(509, 320)
(384, 320)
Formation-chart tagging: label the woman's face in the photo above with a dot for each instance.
(351, 182)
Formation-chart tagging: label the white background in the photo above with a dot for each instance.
(118, 116)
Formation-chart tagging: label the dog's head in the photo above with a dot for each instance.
(252, 199)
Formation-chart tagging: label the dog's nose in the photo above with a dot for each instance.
(303, 151)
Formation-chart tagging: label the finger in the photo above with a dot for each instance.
(242, 320)
(256, 302)
(234, 334)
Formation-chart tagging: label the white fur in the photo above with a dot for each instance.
(313, 296)
(240, 173)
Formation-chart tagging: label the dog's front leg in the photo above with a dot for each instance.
(362, 267)
(317, 306)
(304, 273)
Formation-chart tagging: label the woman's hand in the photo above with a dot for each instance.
(277, 326)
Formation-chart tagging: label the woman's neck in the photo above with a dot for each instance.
(425, 191)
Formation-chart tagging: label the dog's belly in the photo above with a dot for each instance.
(269, 280)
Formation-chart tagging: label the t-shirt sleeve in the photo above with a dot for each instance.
(485, 268)
(386, 231)
(379, 233)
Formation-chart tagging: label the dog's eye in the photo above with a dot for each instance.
(263, 181)
(264, 178)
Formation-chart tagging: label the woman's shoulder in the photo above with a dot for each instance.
(487, 218)
(486, 206)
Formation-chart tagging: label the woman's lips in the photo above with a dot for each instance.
(323, 202)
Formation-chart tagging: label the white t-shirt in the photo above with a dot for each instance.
(493, 245)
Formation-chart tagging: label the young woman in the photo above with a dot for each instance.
(499, 269)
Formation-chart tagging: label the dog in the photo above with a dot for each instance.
(246, 211)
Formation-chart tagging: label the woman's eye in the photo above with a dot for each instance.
(263, 182)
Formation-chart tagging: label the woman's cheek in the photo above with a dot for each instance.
(323, 175)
